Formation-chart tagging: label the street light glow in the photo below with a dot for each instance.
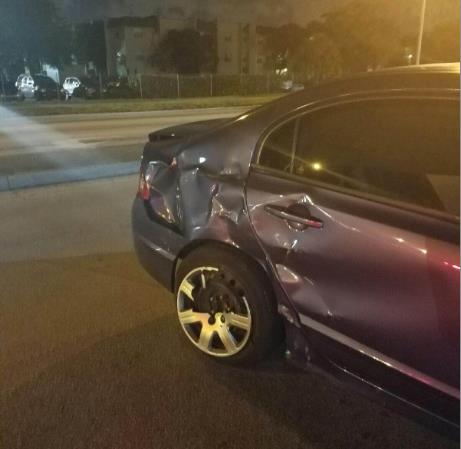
(317, 166)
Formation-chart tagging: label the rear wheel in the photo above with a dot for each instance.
(225, 306)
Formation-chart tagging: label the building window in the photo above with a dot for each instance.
(138, 32)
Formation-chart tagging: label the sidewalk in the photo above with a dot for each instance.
(66, 175)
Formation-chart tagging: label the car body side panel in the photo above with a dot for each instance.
(395, 291)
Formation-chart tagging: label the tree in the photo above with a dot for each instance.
(32, 32)
(364, 34)
(282, 44)
(318, 58)
(308, 51)
(208, 53)
(89, 44)
(441, 44)
(186, 51)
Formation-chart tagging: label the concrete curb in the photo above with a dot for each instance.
(59, 176)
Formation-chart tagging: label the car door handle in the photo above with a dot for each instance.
(297, 220)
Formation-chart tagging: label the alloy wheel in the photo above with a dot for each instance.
(213, 311)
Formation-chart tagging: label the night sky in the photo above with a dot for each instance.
(262, 11)
(269, 12)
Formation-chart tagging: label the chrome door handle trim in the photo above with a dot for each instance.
(288, 216)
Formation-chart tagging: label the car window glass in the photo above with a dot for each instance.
(277, 148)
(401, 150)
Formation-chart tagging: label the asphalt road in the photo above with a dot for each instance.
(55, 142)
(91, 355)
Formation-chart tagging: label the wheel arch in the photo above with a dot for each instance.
(282, 305)
(231, 247)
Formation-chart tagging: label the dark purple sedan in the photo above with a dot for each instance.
(328, 219)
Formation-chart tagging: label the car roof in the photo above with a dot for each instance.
(433, 77)
(439, 67)
(428, 76)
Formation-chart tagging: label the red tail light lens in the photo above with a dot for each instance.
(143, 187)
(149, 174)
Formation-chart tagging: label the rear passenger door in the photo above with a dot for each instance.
(356, 205)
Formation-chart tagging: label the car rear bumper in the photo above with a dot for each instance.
(156, 246)
(157, 265)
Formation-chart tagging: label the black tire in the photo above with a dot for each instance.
(266, 326)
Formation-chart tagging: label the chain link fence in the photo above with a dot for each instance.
(185, 86)
(210, 85)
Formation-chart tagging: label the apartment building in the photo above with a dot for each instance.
(241, 48)
(131, 42)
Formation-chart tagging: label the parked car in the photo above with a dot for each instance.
(328, 219)
(88, 88)
(39, 87)
(291, 86)
(19, 80)
(120, 89)
(69, 85)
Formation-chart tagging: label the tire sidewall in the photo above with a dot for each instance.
(264, 320)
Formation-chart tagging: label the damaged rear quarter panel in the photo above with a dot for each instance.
(211, 175)
(201, 192)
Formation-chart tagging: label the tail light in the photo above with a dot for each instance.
(148, 174)
(143, 187)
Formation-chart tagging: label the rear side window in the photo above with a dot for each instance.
(405, 150)
(277, 149)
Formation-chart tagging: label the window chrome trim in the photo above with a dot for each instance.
(294, 144)
(379, 357)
